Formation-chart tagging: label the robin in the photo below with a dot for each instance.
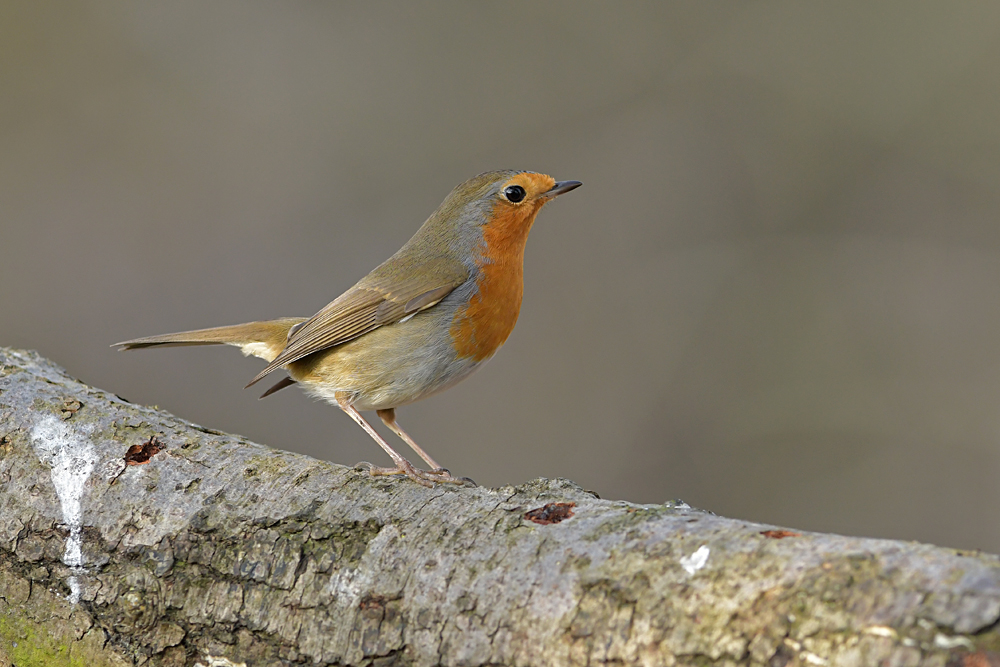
(422, 321)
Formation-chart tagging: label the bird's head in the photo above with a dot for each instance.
(503, 203)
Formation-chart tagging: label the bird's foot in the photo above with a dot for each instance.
(444, 475)
(423, 477)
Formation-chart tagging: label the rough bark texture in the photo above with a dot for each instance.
(219, 551)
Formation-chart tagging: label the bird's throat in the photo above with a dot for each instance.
(480, 328)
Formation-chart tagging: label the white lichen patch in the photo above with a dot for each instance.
(212, 661)
(70, 458)
(881, 631)
(695, 561)
(807, 657)
(945, 642)
(813, 659)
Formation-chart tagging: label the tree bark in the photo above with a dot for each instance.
(208, 549)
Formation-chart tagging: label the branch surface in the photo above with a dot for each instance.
(130, 536)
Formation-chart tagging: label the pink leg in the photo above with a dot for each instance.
(388, 418)
(403, 467)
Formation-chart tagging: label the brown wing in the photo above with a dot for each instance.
(386, 295)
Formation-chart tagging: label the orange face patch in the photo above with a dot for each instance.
(481, 328)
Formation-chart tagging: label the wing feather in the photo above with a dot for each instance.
(383, 297)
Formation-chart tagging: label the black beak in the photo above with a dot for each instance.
(562, 187)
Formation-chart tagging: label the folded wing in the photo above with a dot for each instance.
(387, 295)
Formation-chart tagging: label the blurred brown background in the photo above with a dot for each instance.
(777, 295)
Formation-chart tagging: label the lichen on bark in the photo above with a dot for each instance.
(218, 550)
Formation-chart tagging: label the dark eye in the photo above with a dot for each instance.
(514, 193)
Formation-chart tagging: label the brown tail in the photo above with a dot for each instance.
(260, 339)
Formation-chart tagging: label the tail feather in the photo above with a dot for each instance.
(260, 339)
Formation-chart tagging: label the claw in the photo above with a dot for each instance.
(443, 475)
(404, 468)
(423, 477)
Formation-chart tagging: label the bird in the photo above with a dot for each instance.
(417, 324)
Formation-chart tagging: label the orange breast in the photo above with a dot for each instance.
(481, 328)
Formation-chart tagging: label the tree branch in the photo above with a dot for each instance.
(209, 549)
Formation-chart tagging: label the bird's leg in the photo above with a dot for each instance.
(388, 417)
(403, 467)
